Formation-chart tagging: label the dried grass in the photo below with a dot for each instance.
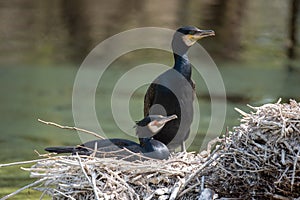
(260, 158)
(86, 177)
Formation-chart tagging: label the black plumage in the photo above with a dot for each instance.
(118, 148)
(126, 149)
(173, 91)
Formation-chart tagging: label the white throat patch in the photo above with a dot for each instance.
(155, 127)
(189, 40)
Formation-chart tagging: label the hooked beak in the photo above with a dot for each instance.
(203, 33)
(156, 125)
(190, 39)
(166, 119)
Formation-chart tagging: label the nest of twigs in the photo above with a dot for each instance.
(86, 177)
(259, 159)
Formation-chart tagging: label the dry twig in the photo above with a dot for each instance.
(71, 128)
(262, 155)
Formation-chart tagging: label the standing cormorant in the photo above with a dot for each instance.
(126, 149)
(173, 91)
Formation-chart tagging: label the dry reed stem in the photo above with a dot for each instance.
(71, 128)
(261, 155)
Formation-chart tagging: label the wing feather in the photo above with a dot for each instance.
(149, 98)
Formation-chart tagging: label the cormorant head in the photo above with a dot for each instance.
(186, 36)
(151, 125)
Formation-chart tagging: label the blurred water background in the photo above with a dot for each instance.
(43, 44)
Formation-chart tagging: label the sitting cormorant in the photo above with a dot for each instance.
(173, 91)
(126, 149)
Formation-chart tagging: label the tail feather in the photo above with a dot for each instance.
(66, 149)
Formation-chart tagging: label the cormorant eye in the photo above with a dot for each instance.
(192, 32)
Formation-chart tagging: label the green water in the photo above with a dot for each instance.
(29, 93)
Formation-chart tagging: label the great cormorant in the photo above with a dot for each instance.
(173, 91)
(126, 149)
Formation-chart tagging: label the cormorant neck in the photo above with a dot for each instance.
(180, 49)
(143, 132)
(182, 65)
(146, 144)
